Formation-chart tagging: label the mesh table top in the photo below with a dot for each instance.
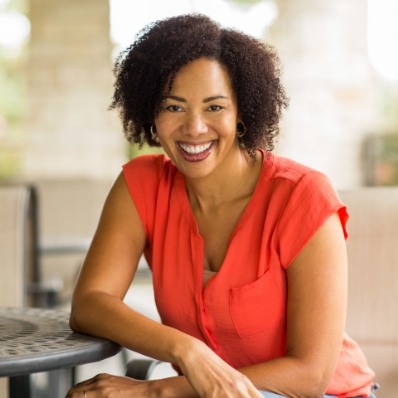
(36, 340)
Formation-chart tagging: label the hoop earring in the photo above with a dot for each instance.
(154, 134)
(240, 130)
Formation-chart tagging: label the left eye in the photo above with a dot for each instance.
(214, 108)
(173, 108)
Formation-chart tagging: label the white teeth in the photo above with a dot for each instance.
(195, 149)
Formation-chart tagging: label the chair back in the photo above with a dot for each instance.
(373, 279)
(18, 243)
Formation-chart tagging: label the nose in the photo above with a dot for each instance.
(194, 125)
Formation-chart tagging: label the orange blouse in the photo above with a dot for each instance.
(240, 313)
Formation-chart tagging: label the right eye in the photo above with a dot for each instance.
(173, 108)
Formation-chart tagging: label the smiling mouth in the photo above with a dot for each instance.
(195, 153)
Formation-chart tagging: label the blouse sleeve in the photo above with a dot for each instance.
(312, 201)
(142, 176)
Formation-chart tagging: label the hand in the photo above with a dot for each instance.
(211, 377)
(108, 386)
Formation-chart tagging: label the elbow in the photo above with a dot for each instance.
(78, 317)
(312, 391)
(314, 381)
(86, 310)
(316, 384)
(73, 323)
(74, 320)
(315, 393)
(311, 375)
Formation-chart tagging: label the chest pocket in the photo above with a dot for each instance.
(258, 307)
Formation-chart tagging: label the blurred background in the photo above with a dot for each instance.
(339, 61)
(340, 69)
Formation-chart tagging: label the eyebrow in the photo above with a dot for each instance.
(208, 99)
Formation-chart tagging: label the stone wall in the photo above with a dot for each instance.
(331, 85)
(70, 131)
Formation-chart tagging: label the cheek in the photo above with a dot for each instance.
(161, 121)
(165, 126)
(229, 126)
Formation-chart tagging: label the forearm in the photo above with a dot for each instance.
(285, 376)
(105, 316)
(172, 387)
(205, 374)
(289, 376)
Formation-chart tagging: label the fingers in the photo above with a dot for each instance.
(82, 389)
(227, 383)
(105, 385)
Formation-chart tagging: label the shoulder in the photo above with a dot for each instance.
(300, 191)
(291, 171)
(145, 174)
(147, 164)
(288, 176)
(149, 168)
(304, 198)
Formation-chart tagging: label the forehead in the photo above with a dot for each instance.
(203, 73)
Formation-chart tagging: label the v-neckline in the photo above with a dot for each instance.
(267, 160)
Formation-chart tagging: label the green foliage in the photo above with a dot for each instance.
(134, 150)
(13, 106)
(12, 115)
(381, 159)
(389, 158)
(12, 93)
(19, 5)
(10, 163)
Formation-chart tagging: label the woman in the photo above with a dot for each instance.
(247, 249)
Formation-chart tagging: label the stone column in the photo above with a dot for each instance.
(70, 131)
(327, 74)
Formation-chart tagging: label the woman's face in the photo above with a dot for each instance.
(197, 124)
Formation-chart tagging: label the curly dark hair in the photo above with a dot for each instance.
(163, 47)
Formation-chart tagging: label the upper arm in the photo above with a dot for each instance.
(317, 284)
(116, 248)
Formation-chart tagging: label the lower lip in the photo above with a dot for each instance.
(197, 157)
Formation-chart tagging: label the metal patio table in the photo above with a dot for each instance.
(38, 340)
